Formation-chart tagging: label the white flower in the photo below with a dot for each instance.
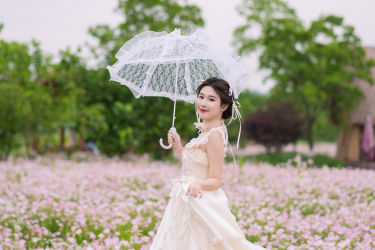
(200, 126)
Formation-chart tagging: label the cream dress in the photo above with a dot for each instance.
(191, 223)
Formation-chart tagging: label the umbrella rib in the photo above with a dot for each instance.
(187, 78)
(147, 81)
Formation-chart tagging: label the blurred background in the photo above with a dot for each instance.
(311, 89)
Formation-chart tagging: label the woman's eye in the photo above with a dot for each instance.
(212, 100)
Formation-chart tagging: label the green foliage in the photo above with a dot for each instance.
(257, 13)
(15, 63)
(37, 115)
(38, 97)
(251, 101)
(62, 84)
(24, 105)
(324, 130)
(10, 118)
(315, 65)
(321, 159)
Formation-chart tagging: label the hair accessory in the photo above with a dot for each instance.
(200, 126)
(230, 91)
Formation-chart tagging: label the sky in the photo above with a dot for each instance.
(59, 24)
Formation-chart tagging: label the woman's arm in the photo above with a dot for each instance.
(178, 149)
(215, 156)
(176, 141)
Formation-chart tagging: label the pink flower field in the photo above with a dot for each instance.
(101, 203)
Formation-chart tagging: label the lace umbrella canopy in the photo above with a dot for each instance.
(173, 65)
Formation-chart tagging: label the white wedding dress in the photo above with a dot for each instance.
(191, 223)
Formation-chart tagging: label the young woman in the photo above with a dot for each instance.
(198, 215)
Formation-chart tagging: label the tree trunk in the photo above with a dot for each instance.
(28, 145)
(310, 138)
(62, 138)
(278, 149)
(81, 142)
(72, 137)
(35, 143)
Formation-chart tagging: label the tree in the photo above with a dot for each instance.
(139, 16)
(10, 118)
(258, 13)
(60, 85)
(136, 124)
(314, 65)
(39, 112)
(25, 106)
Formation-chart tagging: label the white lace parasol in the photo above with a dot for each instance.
(172, 65)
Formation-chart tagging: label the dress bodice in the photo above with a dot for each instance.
(195, 162)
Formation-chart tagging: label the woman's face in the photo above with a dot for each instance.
(208, 104)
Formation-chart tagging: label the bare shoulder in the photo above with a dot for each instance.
(215, 136)
(215, 140)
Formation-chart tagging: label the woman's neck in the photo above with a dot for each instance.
(213, 124)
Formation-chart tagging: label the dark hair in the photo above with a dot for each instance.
(221, 87)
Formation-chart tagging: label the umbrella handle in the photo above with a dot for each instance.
(162, 144)
(161, 141)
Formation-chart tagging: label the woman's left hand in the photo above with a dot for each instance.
(195, 189)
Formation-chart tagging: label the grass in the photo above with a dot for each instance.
(276, 158)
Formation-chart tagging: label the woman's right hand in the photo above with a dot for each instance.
(174, 138)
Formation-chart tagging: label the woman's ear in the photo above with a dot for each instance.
(224, 107)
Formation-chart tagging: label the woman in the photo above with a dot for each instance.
(198, 215)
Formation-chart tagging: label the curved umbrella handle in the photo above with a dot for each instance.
(162, 144)
(161, 141)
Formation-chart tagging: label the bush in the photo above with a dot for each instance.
(318, 160)
(277, 125)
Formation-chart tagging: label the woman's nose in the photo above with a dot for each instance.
(204, 102)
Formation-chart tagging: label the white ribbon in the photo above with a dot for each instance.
(235, 114)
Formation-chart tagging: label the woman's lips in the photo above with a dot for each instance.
(202, 110)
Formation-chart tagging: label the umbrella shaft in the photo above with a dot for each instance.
(175, 92)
